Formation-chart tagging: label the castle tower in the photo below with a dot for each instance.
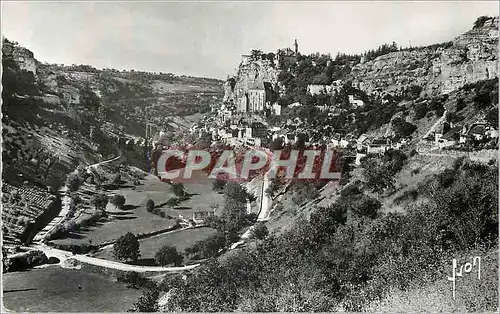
(296, 47)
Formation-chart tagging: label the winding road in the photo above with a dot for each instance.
(62, 255)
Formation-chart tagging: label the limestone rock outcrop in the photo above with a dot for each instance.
(437, 69)
(249, 74)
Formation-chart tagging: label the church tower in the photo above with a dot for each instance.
(296, 47)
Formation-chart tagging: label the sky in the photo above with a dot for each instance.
(208, 38)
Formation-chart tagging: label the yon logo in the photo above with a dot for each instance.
(467, 268)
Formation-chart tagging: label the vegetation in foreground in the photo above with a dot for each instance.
(350, 256)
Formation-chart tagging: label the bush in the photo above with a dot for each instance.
(170, 281)
(304, 191)
(460, 104)
(218, 185)
(178, 189)
(260, 231)
(362, 205)
(99, 201)
(420, 110)
(480, 21)
(118, 200)
(73, 181)
(168, 255)
(173, 201)
(150, 204)
(27, 260)
(147, 301)
(135, 280)
(206, 248)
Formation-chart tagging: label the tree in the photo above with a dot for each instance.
(178, 189)
(402, 128)
(256, 54)
(100, 201)
(168, 255)
(236, 191)
(480, 21)
(150, 204)
(170, 281)
(460, 104)
(5, 260)
(126, 247)
(118, 200)
(377, 176)
(218, 185)
(173, 201)
(260, 231)
(147, 302)
(492, 117)
(453, 117)
(277, 144)
(274, 186)
(117, 178)
(73, 181)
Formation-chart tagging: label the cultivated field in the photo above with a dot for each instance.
(181, 239)
(136, 219)
(54, 289)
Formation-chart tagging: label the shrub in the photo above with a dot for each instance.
(27, 260)
(73, 181)
(480, 21)
(170, 281)
(207, 248)
(135, 280)
(420, 110)
(162, 214)
(460, 104)
(147, 302)
(260, 231)
(168, 255)
(173, 201)
(350, 190)
(99, 201)
(218, 185)
(150, 204)
(118, 200)
(178, 189)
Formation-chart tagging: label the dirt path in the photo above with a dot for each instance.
(65, 202)
(64, 255)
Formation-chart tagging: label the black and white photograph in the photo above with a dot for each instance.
(241, 156)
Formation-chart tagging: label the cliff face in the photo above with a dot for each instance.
(23, 57)
(250, 73)
(468, 58)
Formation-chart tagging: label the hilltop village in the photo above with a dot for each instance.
(264, 106)
(416, 129)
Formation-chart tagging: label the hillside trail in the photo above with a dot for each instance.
(65, 204)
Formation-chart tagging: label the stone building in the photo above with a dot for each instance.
(257, 98)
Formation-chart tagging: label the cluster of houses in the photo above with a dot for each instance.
(243, 133)
(448, 135)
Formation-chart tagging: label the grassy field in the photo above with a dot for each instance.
(136, 219)
(181, 239)
(54, 289)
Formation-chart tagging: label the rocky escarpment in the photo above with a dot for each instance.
(249, 74)
(437, 69)
(23, 57)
